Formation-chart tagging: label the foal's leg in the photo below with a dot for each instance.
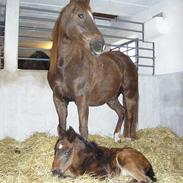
(83, 111)
(61, 107)
(131, 120)
(137, 174)
(120, 110)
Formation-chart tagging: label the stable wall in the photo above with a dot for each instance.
(26, 105)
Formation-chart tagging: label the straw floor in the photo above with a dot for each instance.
(30, 161)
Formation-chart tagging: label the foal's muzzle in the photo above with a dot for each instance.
(57, 173)
(97, 46)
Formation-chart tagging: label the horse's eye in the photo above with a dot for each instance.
(66, 153)
(81, 15)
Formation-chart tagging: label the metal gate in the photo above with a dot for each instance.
(36, 24)
(2, 31)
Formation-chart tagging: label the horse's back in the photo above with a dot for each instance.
(126, 66)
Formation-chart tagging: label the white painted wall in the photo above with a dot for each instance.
(169, 46)
(26, 106)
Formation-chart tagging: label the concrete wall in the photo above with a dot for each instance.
(171, 101)
(26, 105)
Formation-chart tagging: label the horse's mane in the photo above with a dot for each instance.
(90, 145)
(56, 34)
(54, 53)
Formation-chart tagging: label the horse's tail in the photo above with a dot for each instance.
(150, 174)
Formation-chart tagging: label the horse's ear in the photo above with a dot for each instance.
(81, 1)
(61, 131)
(71, 134)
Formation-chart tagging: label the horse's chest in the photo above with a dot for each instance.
(74, 83)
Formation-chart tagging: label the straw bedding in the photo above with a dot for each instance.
(30, 161)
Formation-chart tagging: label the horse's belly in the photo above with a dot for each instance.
(100, 96)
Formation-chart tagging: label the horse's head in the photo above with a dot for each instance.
(67, 151)
(77, 24)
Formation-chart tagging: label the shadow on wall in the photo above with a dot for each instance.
(35, 63)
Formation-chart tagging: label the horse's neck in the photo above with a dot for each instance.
(72, 48)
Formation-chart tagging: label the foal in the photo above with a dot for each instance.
(75, 156)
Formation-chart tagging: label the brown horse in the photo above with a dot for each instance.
(75, 156)
(80, 72)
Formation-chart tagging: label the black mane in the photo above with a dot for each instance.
(90, 145)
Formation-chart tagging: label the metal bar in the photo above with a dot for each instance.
(147, 49)
(137, 53)
(25, 48)
(141, 65)
(128, 49)
(2, 26)
(36, 28)
(39, 9)
(129, 21)
(143, 31)
(153, 58)
(117, 37)
(113, 45)
(100, 26)
(124, 44)
(145, 57)
(140, 57)
(38, 19)
(47, 29)
(118, 28)
(34, 37)
(33, 59)
(147, 42)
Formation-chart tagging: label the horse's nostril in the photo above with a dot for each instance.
(97, 46)
(55, 172)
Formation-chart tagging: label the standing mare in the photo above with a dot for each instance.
(80, 72)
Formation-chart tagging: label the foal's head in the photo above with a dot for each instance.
(77, 24)
(67, 151)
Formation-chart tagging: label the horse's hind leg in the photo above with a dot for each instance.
(131, 118)
(120, 110)
(61, 107)
(137, 174)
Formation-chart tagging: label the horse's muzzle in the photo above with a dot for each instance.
(57, 173)
(97, 46)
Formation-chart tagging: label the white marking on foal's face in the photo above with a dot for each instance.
(91, 15)
(60, 146)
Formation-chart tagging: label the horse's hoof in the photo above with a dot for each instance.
(128, 139)
(117, 138)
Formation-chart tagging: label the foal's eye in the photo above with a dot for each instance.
(81, 15)
(66, 153)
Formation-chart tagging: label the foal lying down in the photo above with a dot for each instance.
(75, 156)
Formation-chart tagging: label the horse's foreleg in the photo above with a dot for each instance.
(120, 110)
(61, 108)
(131, 118)
(83, 111)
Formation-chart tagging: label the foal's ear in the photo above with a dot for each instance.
(71, 134)
(81, 1)
(61, 131)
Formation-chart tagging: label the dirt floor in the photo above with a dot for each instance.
(30, 161)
